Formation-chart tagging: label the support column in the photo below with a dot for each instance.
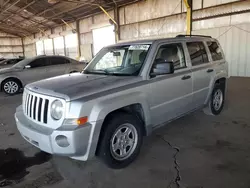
(78, 39)
(189, 6)
(53, 44)
(23, 47)
(64, 42)
(117, 26)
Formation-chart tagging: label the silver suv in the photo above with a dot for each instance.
(14, 78)
(125, 92)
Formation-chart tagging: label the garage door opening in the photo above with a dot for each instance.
(103, 37)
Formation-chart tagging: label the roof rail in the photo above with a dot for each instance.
(193, 36)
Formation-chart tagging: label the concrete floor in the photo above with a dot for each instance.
(196, 151)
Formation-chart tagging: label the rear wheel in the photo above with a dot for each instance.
(216, 102)
(121, 140)
(11, 86)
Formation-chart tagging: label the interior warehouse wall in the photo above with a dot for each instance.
(10, 46)
(29, 47)
(167, 18)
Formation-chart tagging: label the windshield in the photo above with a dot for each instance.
(23, 63)
(4, 62)
(119, 60)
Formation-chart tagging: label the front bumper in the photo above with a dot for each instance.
(71, 143)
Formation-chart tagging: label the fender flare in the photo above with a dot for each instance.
(212, 83)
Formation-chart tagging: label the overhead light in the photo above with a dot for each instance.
(25, 10)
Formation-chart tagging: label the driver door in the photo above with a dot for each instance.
(170, 94)
(35, 70)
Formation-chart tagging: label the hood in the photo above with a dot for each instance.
(5, 66)
(7, 70)
(78, 85)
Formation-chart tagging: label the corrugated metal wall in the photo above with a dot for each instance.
(10, 46)
(29, 46)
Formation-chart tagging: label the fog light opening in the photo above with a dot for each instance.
(62, 141)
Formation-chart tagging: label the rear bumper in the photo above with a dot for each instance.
(71, 143)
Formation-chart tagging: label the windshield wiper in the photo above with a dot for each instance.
(105, 72)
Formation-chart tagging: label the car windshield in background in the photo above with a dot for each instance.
(119, 60)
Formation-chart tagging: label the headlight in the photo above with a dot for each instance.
(56, 110)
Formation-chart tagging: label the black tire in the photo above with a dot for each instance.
(217, 88)
(17, 86)
(111, 126)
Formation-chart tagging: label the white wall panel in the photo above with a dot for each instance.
(235, 41)
(154, 28)
(209, 3)
(151, 9)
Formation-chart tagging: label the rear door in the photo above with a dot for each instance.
(59, 66)
(202, 72)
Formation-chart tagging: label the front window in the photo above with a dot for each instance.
(119, 60)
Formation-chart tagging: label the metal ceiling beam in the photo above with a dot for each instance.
(40, 13)
(9, 30)
(20, 10)
(28, 19)
(16, 28)
(57, 14)
(13, 4)
(73, 8)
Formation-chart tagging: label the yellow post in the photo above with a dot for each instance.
(188, 4)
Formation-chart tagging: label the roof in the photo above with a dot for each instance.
(26, 17)
(159, 40)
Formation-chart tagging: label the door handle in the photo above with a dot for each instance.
(210, 70)
(186, 77)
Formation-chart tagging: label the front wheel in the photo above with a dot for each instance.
(11, 86)
(121, 140)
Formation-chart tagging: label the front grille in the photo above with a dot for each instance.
(36, 107)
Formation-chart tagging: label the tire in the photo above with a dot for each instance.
(116, 127)
(11, 86)
(217, 100)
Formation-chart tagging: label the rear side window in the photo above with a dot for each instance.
(215, 51)
(197, 52)
(58, 61)
(41, 62)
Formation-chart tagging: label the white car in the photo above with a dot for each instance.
(14, 78)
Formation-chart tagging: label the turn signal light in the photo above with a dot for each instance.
(82, 121)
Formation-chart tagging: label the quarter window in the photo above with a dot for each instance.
(215, 51)
(197, 52)
(171, 53)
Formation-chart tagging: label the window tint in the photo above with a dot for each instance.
(58, 60)
(197, 52)
(172, 53)
(215, 51)
(41, 62)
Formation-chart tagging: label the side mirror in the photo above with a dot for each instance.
(162, 68)
(27, 67)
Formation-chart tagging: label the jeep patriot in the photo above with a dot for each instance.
(126, 91)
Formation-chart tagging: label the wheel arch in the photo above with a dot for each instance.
(134, 103)
(220, 79)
